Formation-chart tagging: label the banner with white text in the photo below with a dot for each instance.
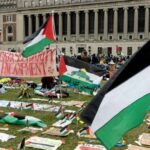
(40, 65)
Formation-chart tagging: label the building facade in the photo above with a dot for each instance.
(98, 26)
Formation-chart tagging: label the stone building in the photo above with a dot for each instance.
(95, 25)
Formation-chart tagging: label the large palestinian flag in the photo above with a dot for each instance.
(40, 39)
(123, 102)
(82, 75)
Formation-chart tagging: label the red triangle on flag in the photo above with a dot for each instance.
(62, 66)
(117, 49)
(49, 30)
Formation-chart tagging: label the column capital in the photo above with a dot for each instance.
(77, 11)
(136, 7)
(60, 13)
(105, 9)
(125, 8)
(96, 10)
(86, 11)
(115, 9)
(147, 7)
(36, 15)
(68, 12)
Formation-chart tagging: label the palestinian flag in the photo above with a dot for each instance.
(123, 102)
(59, 115)
(62, 66)
(64, 131)
(83, 131)
(40, 39)
(82, 75)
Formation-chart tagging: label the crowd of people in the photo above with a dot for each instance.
(109, 63)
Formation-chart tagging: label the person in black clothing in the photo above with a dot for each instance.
(47, 82)
(84, 57)
(94, 59)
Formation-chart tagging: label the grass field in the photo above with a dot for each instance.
(72, 140)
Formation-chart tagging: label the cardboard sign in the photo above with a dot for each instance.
(39, 65)
(90, 147)
(43, 143)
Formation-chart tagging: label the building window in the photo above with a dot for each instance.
(91, 22)
(109, 51)
(89, 49)
(73, 23)
(120, 37)
(9, 38)
(131, 20)
(110, 37)
(81, 49)
(120, 20)
(9, 33)
(100, 50)
(9, 18)
(101, 21)
(82, 22)
(64, 50)
(9, 29)
(129, 51)
(130, 37)
(110, 21)
(64, 24)
(101, 38)
(141, 37)
(141, 19)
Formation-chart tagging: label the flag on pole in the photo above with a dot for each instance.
(40, 39)
(62, 66)
(123, 102)
(117, 49)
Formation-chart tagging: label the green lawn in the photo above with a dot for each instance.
(71, 141)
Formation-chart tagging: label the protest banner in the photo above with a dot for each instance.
(39, 65)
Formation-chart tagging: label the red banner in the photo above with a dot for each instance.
(39, 65)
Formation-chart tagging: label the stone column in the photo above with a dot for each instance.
(68, 25)
(77, 25)
(37, 21)
(86, 24)
(146, 29)
(29, 25)
(115, 23)
(60, 26)
(96, 24)
(135, 22)
(105, 23)
(20, 27)
(125, 28)
(44, 18)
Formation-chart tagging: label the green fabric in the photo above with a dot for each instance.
(128, 118)
(36, 48)
(13, 120)
(85, 86)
